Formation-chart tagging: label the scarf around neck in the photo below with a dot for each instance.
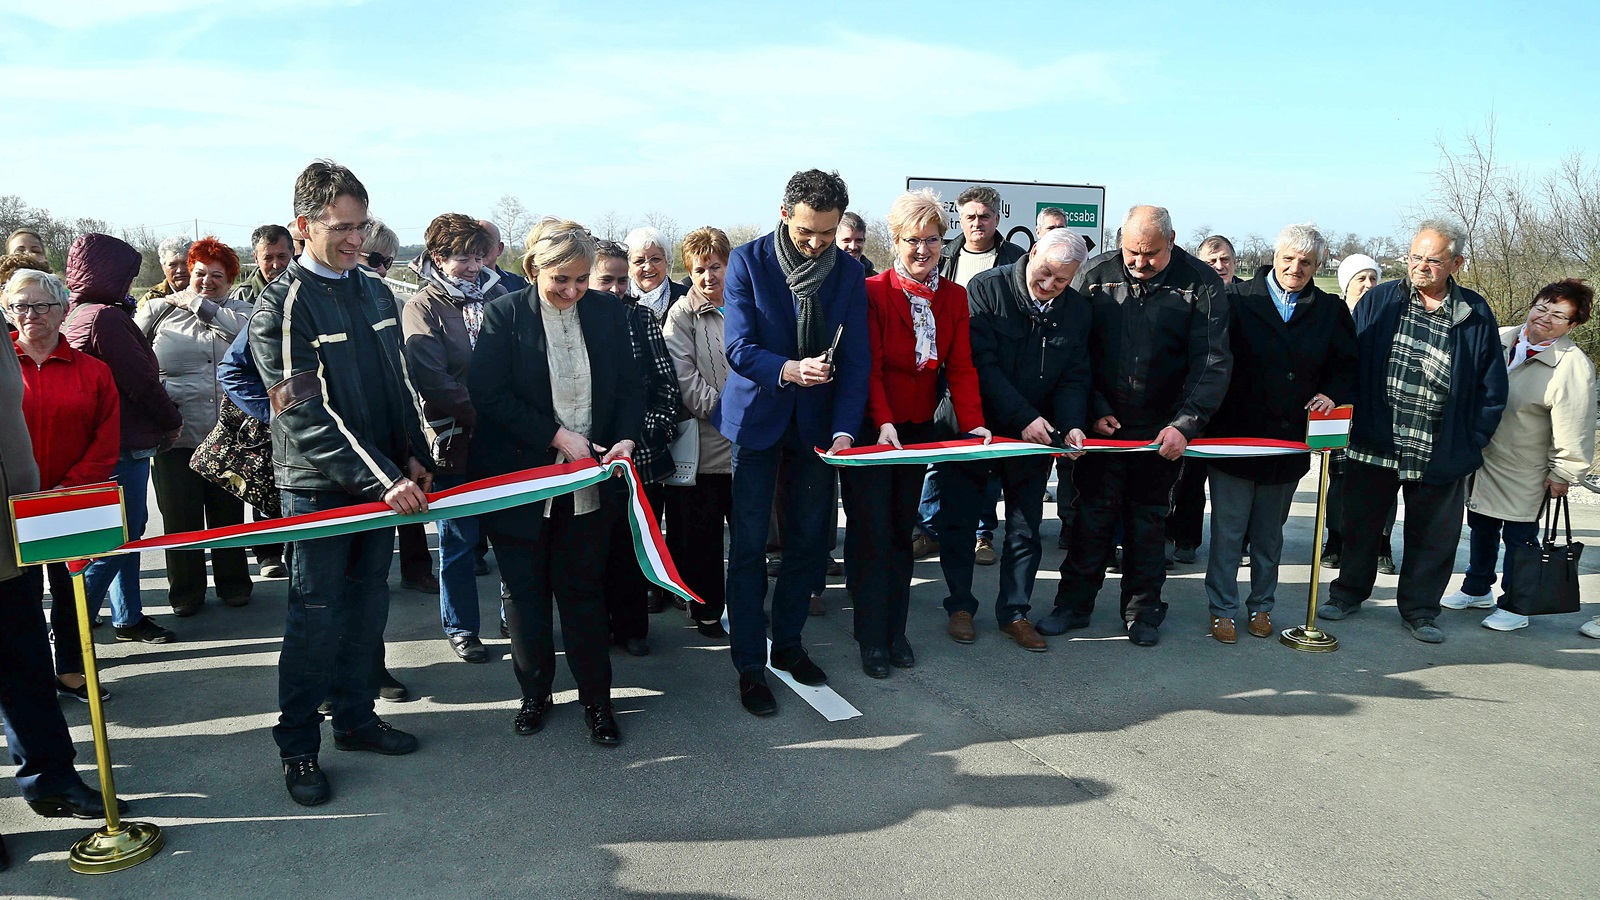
(1524, 351)
(920, 296)
(804, 276)
(655, 300)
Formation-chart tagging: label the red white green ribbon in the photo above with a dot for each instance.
(973, 449)
(471, 499)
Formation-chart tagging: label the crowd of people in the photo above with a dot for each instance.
(722, 391)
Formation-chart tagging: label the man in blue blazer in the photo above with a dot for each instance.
(788, 295)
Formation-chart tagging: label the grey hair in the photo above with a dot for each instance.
(51, 284)
(1214, 242)
(173, 248)
(381, 240)
(643, 237)
(1302, 238)
(1062, 245)
(1038, 221)
(1161, 219)
(980, 193)
(1454, 234)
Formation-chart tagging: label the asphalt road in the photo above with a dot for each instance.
(1098, 769)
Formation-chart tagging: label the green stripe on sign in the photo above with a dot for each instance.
(1328, 441)
(71, 546)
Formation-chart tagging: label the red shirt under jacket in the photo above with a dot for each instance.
(74, 416)
(897, 390)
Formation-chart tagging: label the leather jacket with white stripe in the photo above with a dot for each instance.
(299, 336)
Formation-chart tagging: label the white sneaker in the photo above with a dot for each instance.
(1464, 600)
(1502, 620)
(1590, 628)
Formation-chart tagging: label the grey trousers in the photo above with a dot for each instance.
(1242, 508)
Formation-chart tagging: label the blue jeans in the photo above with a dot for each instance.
(928, 509)
(805, 551)
(338, 606)
(121, 573)
(1483, 553)
(458, 554)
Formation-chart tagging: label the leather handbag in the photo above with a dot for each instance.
(685, 450)
(237, 456)
(1544, 576)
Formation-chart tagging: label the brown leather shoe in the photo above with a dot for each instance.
(960, 628)
(1022, 632)
(1222, 630)
(1261, 624)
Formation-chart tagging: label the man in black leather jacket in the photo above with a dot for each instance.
(347, 427)
(1160, 360)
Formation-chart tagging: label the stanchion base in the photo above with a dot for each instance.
(1314, 640)
(103, 852)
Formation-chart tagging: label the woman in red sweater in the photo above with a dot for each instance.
(73, 411)
(917, 325)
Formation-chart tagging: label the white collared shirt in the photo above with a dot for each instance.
(310, 264)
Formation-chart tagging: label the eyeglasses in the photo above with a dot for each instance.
(1544, 309)
(1433, 263)
(930, 243)
(346, 230)
(379, 261)
(39, 309)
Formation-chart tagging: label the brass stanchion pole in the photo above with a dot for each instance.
(120, 844)
(1310, 637)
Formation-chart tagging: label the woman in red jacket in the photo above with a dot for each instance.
(917, 325)
(73, 411)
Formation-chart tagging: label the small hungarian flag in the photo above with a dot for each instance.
(73, 524)
(1329, 430)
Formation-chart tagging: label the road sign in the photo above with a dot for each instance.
(1020, 202)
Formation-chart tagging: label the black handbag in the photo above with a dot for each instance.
(237, 456)
(1544, 578)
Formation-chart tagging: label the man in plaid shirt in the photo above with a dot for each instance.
(1431, 388)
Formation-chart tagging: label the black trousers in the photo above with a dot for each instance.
(625, 584)
(1428, 547)
(880, 505)
(416, 561)
(695, 519)
(36, 732)
(565, 565)
(64, 621)
(1335, 514)
(1186, 525)
(1134, 489)
(189, 503)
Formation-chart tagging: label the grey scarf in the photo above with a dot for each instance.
(805, 276)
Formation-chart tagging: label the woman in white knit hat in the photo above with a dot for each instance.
(1358, 273)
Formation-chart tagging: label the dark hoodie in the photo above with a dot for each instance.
(100, 270)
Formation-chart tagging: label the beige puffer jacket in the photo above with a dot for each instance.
(188, 342)
(1547, 431)
(693, 331)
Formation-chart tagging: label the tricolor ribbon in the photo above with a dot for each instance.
(973, 449)
(474, 498)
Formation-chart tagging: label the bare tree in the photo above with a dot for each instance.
(513, 220)
(743, 234)
(1198, 236)
(610, 227)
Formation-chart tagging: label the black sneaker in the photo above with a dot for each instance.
(81, 692)
(379, 737)
(145, 631)
(307, 784)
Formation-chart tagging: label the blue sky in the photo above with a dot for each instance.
(1239, 116)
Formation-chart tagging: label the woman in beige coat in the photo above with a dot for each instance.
(1545, 442)
(190, 331)
(695, 515)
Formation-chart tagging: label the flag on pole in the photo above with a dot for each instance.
(72, 524)
(1329, 430)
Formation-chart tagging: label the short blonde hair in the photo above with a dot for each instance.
(705, 242)
(914, 210)
(553, 243)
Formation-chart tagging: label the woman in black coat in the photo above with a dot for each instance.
(1294, 350)
(553, 380)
